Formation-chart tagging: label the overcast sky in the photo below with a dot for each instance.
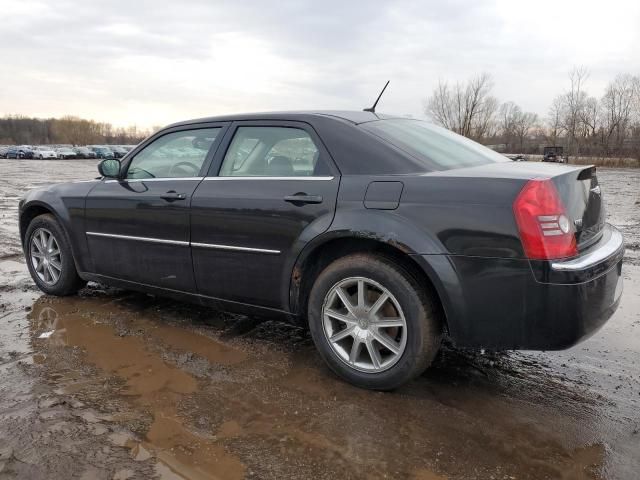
(156, 62)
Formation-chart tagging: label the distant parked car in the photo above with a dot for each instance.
(22, 151)
(102, 152)
(12, 152)
(118, 152)
(65, 153)
(84, 152)
(42, 152)
(554, 155)
(3, 152)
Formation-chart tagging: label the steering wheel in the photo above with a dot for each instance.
(134, 171)
(194, 168)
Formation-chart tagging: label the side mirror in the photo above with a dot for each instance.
(109, 168)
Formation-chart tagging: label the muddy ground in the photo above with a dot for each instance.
(114, 384)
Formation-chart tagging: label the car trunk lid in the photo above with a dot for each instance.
(582, 197)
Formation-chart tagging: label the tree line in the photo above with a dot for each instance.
(21, 130)
(583, 124)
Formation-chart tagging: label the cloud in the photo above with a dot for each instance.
(152, 62)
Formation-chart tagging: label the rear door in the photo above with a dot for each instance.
(272, 189)
(137, 227)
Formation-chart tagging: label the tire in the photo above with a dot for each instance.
(67, 281)
(407, 302)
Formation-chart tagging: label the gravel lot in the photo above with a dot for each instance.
(132, 386)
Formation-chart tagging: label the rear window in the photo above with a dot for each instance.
(435, 147)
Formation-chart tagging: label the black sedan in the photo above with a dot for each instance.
(118, 152)
(102, 152)
(380, 234)
(84, 152)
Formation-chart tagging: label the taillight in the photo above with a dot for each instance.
(545, 229)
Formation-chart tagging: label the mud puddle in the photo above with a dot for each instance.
(166, 390)
(139, 373)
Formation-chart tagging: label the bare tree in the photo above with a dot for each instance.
(507, 119)
(440, 106)
(516, 125)
(619, 109)
(555, 120)
(574, 103)
(525, 122)
(590, 118)
(484, 123)
(466, 108)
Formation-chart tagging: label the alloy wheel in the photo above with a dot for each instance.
(46, 257)
(364, 324)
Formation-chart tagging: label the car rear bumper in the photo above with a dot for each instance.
(518, 304)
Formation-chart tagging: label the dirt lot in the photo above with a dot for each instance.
(114, 384)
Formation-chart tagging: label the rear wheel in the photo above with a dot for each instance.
(49, 257)
(372, 322)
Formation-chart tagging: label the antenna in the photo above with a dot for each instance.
(373, 109)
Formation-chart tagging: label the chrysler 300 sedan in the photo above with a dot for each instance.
(380, 234)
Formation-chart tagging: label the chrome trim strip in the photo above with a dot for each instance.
(230, 247)
(141, 239)
(593, 258)
(185, 244)
(165, 179)
(320, 179)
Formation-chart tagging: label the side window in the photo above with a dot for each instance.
(177, 154)
(272, 152)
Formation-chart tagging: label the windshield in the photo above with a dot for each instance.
(436, 147)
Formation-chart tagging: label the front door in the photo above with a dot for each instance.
(137, 227)
(274, 191)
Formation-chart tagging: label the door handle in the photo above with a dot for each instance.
(302, 198)
(171, 196)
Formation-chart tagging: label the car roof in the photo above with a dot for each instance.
(354, 117)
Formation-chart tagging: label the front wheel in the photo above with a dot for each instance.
(49, 257)
(372, 322)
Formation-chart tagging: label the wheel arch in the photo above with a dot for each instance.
(37, 207)
(324, 250)
(32, 210)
